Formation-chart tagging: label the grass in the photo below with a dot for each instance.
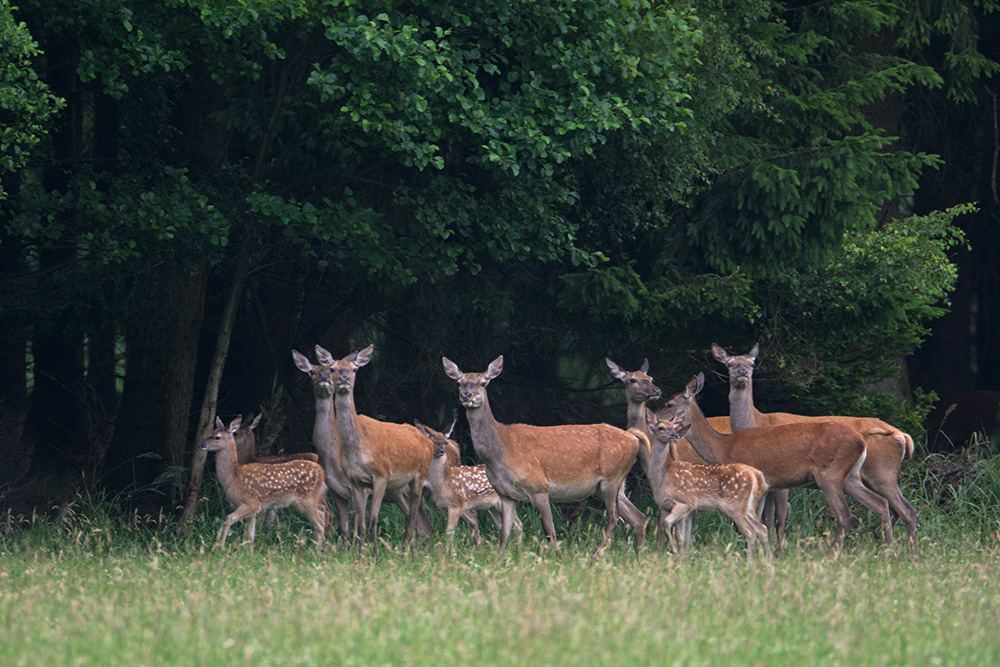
(108, 590)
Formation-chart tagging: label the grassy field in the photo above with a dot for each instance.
(104, 590)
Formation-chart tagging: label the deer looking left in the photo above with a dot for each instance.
(255, 487)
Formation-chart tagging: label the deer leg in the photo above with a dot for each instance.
(680, 512)
(358, 499)
(833, 491)
(540, 501)
(239, 513)
(313, 508)
(781, 510)
(611, 499)
(633, 516)
(888, 488)
(252, 528)
(416, 509)
(856, 489)
(508, 509)
(379, 485)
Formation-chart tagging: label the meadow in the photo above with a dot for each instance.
(112, 589)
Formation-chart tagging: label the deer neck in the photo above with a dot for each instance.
(705, 440)
(225, 466)
(636, 418)
(658, 461)
(435, 473)
(485, 433)
(742, 413)
(347, 427)
(326, 437)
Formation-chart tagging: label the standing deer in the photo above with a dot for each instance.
(542, 463)
(639, 388)
(384, 457)
(460, 490)
(246, 452)
(326, 439)
(887, 445)
(827, 454)
(734, 489)
(254, 487)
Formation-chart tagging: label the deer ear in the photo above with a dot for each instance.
(234, 425)
(694, 385)
(451, 427)
(301, 362)
(363, 356)
(323, 356)
(645, 366)
(650, 418)
(423, 429)
(754, 351)
(720, 355)
(615, 370)
(494, 369)
(218, 422)
(451, 369)
(683, 430)
(256, 421)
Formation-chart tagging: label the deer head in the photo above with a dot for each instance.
(472, 386)
(439, 439)
(740, 367)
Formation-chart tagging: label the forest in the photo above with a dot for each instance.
(192, 189)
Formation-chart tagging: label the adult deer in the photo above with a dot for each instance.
(640, 388)
(540, 464)
(326, 439)
(384, 457)
(460, 490)
(255, 487)
(734, 489)
(887, 445)
(827, 454)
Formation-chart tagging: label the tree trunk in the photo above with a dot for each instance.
(209, 403)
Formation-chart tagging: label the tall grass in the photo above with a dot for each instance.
(111, 588)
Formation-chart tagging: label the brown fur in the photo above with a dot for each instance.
(382, 456)
(887, 445)
(540, 464)
(255, 487)
(460, 490)
(734, 489)
(826, 454)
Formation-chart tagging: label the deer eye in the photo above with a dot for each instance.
(632, 380)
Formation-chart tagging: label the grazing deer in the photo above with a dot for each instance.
(460, 490)
(254, 487)
(887, 445)
(387, 458)
(734, 489)
(827, 454)
(542, 463)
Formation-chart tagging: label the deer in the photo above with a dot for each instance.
(640, 388)
(326, 439)
(246, 452)
(255, 487)
(388, 459)
(460, 490)
(539, 464)
(826, 454)
(887, 445)
(734, 489)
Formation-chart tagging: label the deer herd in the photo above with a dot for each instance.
(742, 465)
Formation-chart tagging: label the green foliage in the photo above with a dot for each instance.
(26, 104)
